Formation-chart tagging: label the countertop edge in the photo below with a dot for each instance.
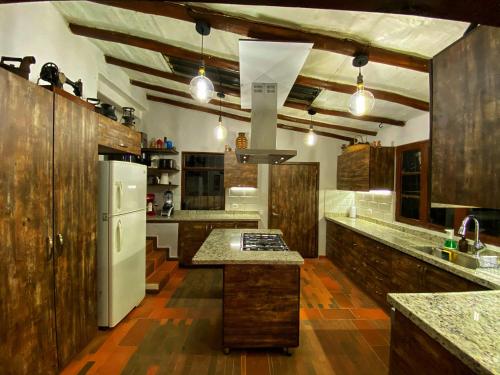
(440, 337)
(444, 265)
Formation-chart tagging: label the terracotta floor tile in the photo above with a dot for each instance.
(179, 331)
(336, 314)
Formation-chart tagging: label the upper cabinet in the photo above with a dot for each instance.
(115, 138)
(369, 168)
(237, 174)
(465, 131)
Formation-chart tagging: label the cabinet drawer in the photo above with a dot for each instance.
(115, 138)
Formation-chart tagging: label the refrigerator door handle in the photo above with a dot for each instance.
(119, 239)
(120, 194)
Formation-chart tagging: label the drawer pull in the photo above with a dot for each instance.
(122, 145)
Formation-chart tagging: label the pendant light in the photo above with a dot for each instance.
(311, 138)
(220, 130)
(362, 101)
(201, 88)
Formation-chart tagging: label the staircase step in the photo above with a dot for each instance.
(149, 246)
(158, 257)
(159, 278)
(150, 266)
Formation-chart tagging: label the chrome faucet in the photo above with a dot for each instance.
(478, 245)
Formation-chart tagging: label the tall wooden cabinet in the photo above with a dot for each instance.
(48, 158)
(465, 88)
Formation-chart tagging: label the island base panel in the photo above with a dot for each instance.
(261, 306)
(414, 352)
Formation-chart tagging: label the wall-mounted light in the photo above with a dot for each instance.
(362, 101)
(220, 130)
(201, 88)
(311, 138)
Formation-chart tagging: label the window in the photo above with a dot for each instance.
(202, 181)
(413, 198)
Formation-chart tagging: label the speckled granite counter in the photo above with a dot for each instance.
(223, 247)
(205, 215)
(406, 243)
(466, 324)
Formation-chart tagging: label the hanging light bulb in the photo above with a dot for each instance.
(362, 101)
(220, 130)
(311, 137)
(201, 88)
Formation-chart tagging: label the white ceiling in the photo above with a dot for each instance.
(415, 35)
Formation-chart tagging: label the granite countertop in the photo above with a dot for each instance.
(406, 243)
(205, 215)
(223, 247)
(466, 324)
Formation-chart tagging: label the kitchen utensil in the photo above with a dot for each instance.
(164, 180)
(155, 161)
(51, 73)
(23, 70)
(168, 205)
(108, 110)
(166, 164)
(150, 202)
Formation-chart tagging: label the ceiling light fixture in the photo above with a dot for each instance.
(201, 88)
(311, 137)
(362, 101)
(220, 130)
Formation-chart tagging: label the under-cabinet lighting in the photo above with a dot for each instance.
(380, 192)
(242, 188)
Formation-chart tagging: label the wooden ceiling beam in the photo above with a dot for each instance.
(262, 30)
(218, 62)
(229, 91)
(197, 107)
(237, 107)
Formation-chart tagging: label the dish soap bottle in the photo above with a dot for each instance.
(450, 242)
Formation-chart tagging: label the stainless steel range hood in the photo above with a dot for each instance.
(264, 117)
(268, 71)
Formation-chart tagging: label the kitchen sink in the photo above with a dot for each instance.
(461, 259)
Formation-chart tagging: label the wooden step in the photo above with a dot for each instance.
(150, 266)
(150, 246)
(157, 256)
(159, 278)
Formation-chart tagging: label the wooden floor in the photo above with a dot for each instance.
(178, 331)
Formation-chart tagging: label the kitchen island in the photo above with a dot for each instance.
(261, 291)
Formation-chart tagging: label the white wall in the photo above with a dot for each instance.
(416, 129)
(38, 29)
(194, 131)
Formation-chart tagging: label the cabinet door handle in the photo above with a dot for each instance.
(50, 248)
(122, 145)
(60, 240)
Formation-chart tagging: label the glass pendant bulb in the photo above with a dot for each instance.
(201, 88)
(311, 137)
(362, 101)
(220, 131)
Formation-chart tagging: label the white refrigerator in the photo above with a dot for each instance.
(121, 249)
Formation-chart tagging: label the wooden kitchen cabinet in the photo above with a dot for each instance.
(238, 174)
(47, 270)
(115, 138)
(464, 129)
(192, 234)
(379, 269)
(370, 168)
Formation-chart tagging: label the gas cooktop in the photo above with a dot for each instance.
(262, 242)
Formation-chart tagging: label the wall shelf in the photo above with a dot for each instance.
(156, 171)
(163, 151)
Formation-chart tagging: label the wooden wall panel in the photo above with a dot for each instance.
(27, 335)
(465, 132)
(75, 212)
(293, 205)
(238, 174)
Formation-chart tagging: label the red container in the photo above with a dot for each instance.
(150, 205)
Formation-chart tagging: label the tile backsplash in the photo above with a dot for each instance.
(338, 201)
(379, 205)
(242, 199)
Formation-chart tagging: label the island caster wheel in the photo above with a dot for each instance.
(287, 352)
(227, 351)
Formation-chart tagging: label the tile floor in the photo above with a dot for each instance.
(178, 331)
